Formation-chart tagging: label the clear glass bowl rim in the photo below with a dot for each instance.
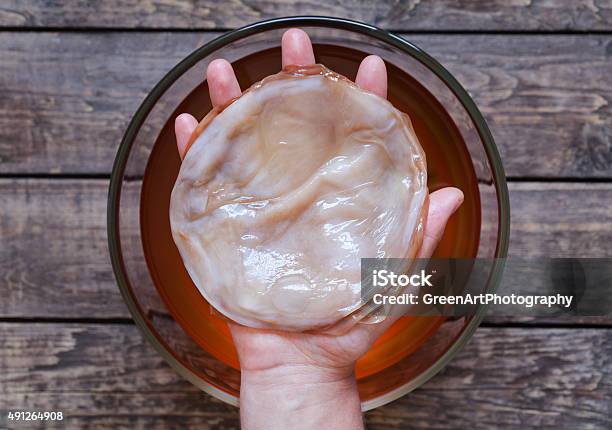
(305, 21)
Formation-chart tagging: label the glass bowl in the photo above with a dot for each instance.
(460, 151)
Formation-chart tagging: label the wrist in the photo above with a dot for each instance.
(300, 396)
(298, 373)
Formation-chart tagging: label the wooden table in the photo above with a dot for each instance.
(73, 73)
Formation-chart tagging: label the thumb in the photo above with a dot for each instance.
(442, 204)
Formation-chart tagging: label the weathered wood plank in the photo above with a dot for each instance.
(67, 97)
(108, 376)
(54, 258)
(410, 15)
(560, 220)
(66, 110)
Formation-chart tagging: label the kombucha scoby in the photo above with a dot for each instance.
(283, 191)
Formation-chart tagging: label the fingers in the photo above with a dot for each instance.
(222, 87)
(372, 75)
(296, 48)
(442, 204)
(222, 83)
(184, 124)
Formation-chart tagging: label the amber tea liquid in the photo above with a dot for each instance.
(448, 163)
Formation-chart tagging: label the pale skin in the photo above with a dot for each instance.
(303, 380)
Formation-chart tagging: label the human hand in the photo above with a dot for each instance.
(308, 370)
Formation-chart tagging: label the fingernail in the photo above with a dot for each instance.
(459, 201)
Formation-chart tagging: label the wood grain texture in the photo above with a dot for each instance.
(109, 377)
(541, 15)
(67, 97)
(65, 103)
(54, 258)
(560, 220)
